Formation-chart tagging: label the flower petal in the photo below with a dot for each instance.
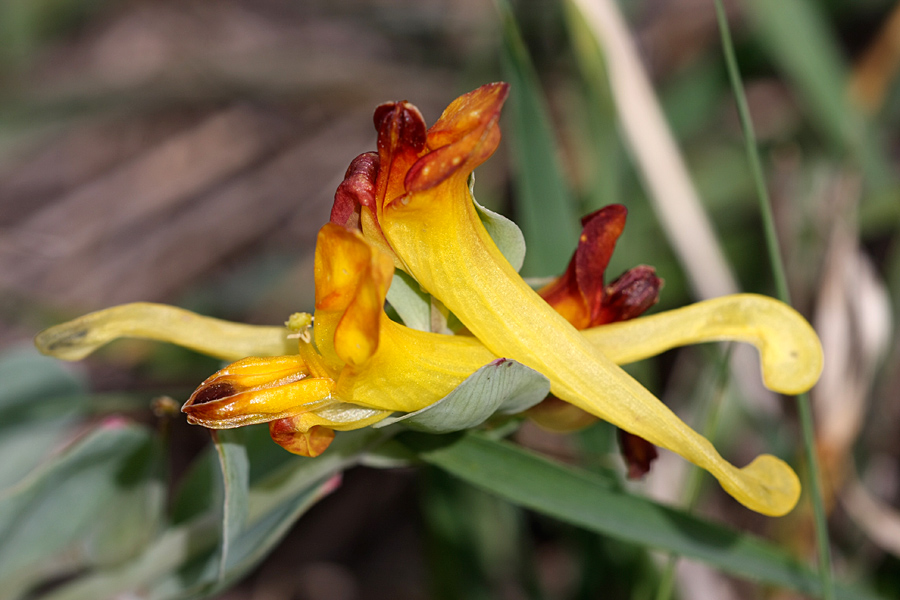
(310, 443)
(357, 190)
(580, 292)
(630, 295)
(639, 454)
(78, 338)
(352, 279)
(790, 353)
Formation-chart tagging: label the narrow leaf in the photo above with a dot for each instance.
(236, 477)
(502, 385)
(40, 401)
(582, 499)
(544, 205)
(803, 45)
(96, 503)
(184, 561)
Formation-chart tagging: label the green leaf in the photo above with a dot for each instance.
(40, 400)
(505, 233)
(200, 489)
(582, 499)
(97, 503)
(184, 562)
(502, 385)
(235, 466)
(544, 206)
(410, 301)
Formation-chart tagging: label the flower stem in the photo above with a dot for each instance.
(778, 272)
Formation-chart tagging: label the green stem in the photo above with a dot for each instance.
(777, 263)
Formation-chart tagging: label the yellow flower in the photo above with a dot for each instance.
(423, 211)
(355, 366)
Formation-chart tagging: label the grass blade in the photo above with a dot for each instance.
(546, 210)
(806, 421)
(656, 155)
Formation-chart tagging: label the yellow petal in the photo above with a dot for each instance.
(790, 352)
(412, 369)
(76, 339)
(340, 416)
(452, 256)
(352, 279)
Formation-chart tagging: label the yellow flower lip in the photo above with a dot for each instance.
(433, 228)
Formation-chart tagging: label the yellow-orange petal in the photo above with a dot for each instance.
(559, 416)
(354, 278)
(310, 443)
(439, 237)
(257, 390)
(463, 137)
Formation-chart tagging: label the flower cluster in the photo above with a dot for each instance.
(409, 207)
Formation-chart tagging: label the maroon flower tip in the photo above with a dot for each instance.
(632, 294)
(205, 394)
(638, 453)
(357, 189)
(600, 232)
(400, 123)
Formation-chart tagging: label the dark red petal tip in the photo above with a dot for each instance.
(638, 453)
(357, 189)
(600, 231)
(632, 294)
(399, 124)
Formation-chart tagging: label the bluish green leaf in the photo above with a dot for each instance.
(503, 386)
(505, 233)
(184, 562)
(235, 466)
(582, 499)
(411, 302)
(200, 490)
(40, 400)
(96, 503)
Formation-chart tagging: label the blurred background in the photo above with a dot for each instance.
(187, 152)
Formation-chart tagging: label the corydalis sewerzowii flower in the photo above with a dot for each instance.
(356, 366)
(420, 207)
